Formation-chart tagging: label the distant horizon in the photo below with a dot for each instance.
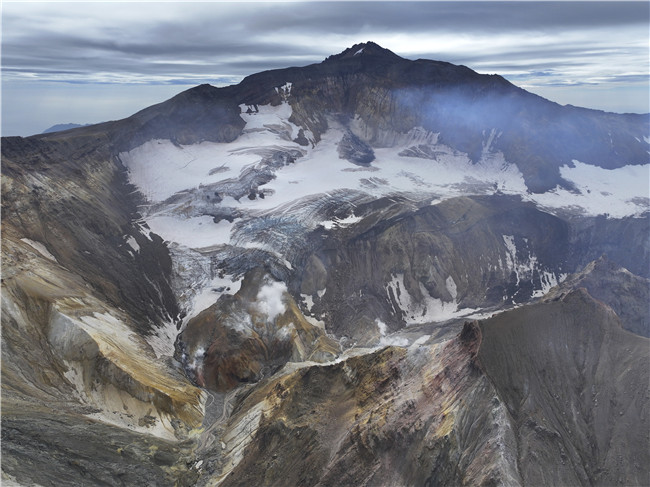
(88, 62)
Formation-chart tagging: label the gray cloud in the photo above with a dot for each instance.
(127, 37)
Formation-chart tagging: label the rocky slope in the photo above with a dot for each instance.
(245, 336)
(86, 394)
(450, 259)
(367, 271)
(572, 377)
(495, 405)
(626, 293)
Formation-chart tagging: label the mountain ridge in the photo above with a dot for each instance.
(383, 91)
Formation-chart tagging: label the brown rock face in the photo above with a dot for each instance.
(83, 286)
(391, 417)
(244, 337)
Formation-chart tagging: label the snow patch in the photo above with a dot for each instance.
(428, 310)
(420, 341)
(40, 248)
(159, 168)
(163, 338)
(616, 193)
(487, 145)
(209, 292)
(342, 222)
(548, 281)
(131, 242)
(118, 342)
(527, 268)
(451, 287)
(308, 300)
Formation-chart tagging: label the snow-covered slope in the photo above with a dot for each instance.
(211, 195)
(160, 170)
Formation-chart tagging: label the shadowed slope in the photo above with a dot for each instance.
(576, 386)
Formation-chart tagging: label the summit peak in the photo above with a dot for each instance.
(365, 49)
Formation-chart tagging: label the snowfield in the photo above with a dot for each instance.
(160, 169)
(195, 192)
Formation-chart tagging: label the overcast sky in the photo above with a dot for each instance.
(86, 62)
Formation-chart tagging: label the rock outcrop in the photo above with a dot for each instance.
(404, 266)
(626, 293)
(86, 394)
(243, 337)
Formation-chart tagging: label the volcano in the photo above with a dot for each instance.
(366, 271)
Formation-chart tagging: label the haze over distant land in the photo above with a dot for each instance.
(91, 62)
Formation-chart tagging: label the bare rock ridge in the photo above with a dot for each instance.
(571, 355)
(626, 293)
(63, 126)
(277, 331)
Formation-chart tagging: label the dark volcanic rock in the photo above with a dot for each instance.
(627, 294)
(355, 150)
(576, 386)
(523, 398)
(70, 449)
(624, 241)
(474, 252)
(387, 96)
(552, 392)
(462, 246)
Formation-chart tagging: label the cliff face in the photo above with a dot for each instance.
(86, 393)
(401, 266)
(72, 197)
